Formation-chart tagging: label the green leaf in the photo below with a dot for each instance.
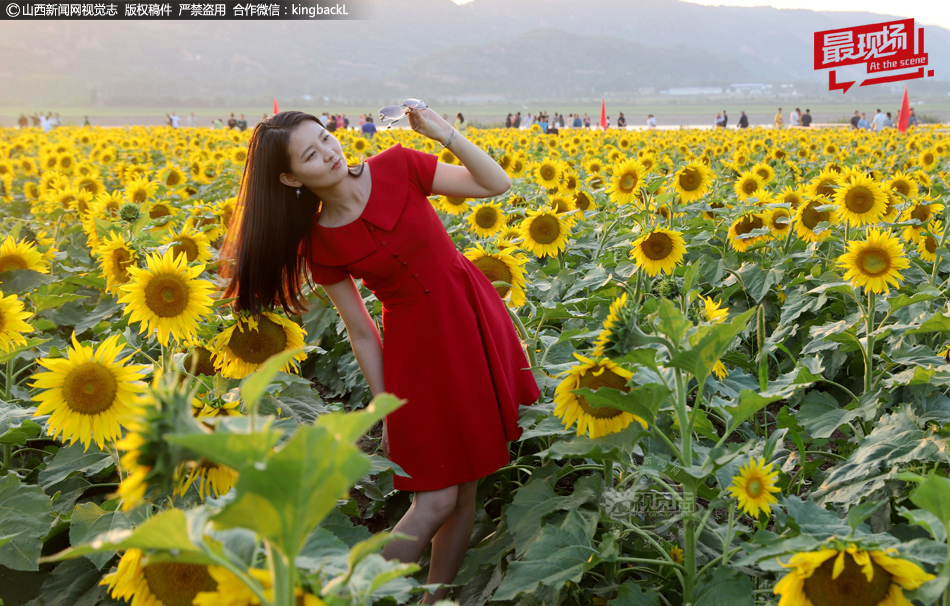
(933, 495)
(820, 414)
(561, 553)
(254, 386)
(671, 321)
(89, 521)
(165, 531)
(24, 520)
(759, 281)
(73, 459)
(859, 513)
(43, 302)
(937, 323)
(16, 425)
(15, 351)
(724, 586)
(903, 300)
(927, 521)
(643, 401)
(23, 280)
(234, 450)
(76, 583)
(350, 426)
(749, 403)
(285, 496)
(717, 339)
(607, 448)
(631, 594)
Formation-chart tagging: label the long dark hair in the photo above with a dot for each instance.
(260, 254)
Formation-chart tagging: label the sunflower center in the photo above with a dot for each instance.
(178, 584)
(901, 186)
(750, 186)
(811, 217)
(496, 271)
(582, 200)
(851, 587)
(455, 201)
(657, 246)
(754, 488)
(607, 378)
(166, 295)
(545, 229)
(921, 212)
(139, 196)
(187, 246)
(874, 262)
(547, 172)
(173, 178)
(930, 244)
(627, 182)
(747, 224)
(486, 217)
(89, 388)
(159, 210)
(928, 158)
(859, 200)
(690, 179)
(203, 365)
(11, 262)
(256, 346)
(121, 259)
(825, 188)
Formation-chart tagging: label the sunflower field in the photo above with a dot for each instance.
(741, 339)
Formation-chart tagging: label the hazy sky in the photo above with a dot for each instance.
(924, 12)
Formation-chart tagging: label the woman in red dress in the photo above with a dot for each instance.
(448, 346)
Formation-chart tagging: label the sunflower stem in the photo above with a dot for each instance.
(7, 459)
(869, 358)
(8, 383)
(283, 574)
(650, 561)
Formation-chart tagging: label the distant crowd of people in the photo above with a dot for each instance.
(881, 120)
(47, 122)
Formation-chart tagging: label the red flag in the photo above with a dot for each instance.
(603, 115)
(275, 105)
(905, 113)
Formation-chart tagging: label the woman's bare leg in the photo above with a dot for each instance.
(428, 512)
(451, 541)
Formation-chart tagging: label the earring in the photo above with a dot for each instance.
(298, 192)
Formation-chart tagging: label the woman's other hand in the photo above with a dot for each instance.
(429, 123)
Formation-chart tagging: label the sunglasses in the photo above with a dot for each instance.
(394, 113)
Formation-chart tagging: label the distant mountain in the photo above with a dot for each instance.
(515, 49)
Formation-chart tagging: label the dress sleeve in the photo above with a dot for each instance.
(324, 274)
(421, 169)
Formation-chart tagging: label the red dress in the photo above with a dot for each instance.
(449, 346)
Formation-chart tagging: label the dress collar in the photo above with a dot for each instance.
(351, 242)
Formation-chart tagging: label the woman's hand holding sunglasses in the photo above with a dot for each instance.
(422, 119)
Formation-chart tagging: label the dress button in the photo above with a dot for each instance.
(404, 264)
(427, 291)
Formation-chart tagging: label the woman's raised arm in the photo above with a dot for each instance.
(478, 177)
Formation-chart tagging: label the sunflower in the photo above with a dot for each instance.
(209, 477)
(875, 262)
(453, 205)
(625, 181)
(232, 591)
(89, 394)
(922, 211)
(562, 203)
(592, 374)
(547, 173)
(791, 196)
(849, 576)
(779, 221)
(606, 332)
(115, 255)
(745, 224)
(12, 322)
(544, 233)
(172, 176)
(486, 219)
(754, 487)
(168, 296)
(165, 583)
(903, 184)
(713, 310)
(21, 255)
(860, 201)
(658, 250)
(927, 159)
(584, 201)
(139, 190)
(245, 345)
(808, 217)
(823, 185)
(676, 554)
(748, 185)
(501, 267)
(927, 242)
(192, 243)
(692, 181)
(765, 172)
